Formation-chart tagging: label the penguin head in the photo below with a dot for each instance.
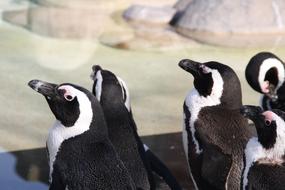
(215, 80)
(265, 73)
(109, 89)
(270, 125)
(69, 103)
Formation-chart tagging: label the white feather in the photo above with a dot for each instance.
(255, 151)
(128, 99)
(98, 87)
(266, 65)
(185, 145)
(58, 133)
(195, 102)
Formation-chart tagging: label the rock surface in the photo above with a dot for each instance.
(101, 3)
(181, 5)
(149, 14)
(203, 18)
(59, 22)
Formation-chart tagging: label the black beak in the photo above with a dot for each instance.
(272, 94)
(190, 66)
(95, 69)
(253, 113)
(44, 88)
(250, 111)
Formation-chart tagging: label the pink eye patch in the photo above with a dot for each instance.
(68, 95)
(269, 116)
(265, 87)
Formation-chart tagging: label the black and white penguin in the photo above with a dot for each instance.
(265, 154)
(81, 155)
(112, 92)
(265, 73)
(214, 131)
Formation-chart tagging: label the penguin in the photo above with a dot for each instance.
(264, 155)
(214, 132)
(114, 97)
(80, 153)
(265, 73)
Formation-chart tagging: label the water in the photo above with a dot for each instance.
(10, 179)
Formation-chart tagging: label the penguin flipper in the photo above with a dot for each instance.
(215, 166)
(57, 182)
(161, 169)
(267, 176)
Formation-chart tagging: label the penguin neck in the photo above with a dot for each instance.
(119, 121)
(115, 110)
(91, 125)
(194, 99)
(195, 102)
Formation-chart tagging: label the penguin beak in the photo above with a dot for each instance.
(253, 113)
(190, 66)
(272, 94)
(95, 69)
(250, 111)
(44, 88)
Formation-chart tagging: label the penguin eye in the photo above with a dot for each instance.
(68, 98)
(267, 122)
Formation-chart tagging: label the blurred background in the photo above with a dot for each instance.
(140, 41)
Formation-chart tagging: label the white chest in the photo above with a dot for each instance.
(255, 152)
(59, 133)
(195, 103)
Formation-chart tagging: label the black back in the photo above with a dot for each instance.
(123, 131)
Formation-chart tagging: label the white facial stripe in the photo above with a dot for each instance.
(254, 150)
(98, 87)
(58, 133)
(268, 64)
(195, 102)
(279, 147)
(123, 85)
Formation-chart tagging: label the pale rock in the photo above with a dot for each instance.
(149, 15)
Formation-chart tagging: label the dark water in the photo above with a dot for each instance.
(21, 170)
(28, 169)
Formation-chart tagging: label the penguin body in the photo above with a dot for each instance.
(80, 154)
(265, 73)
(264, 157)
(214, 132)
(113, 94)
